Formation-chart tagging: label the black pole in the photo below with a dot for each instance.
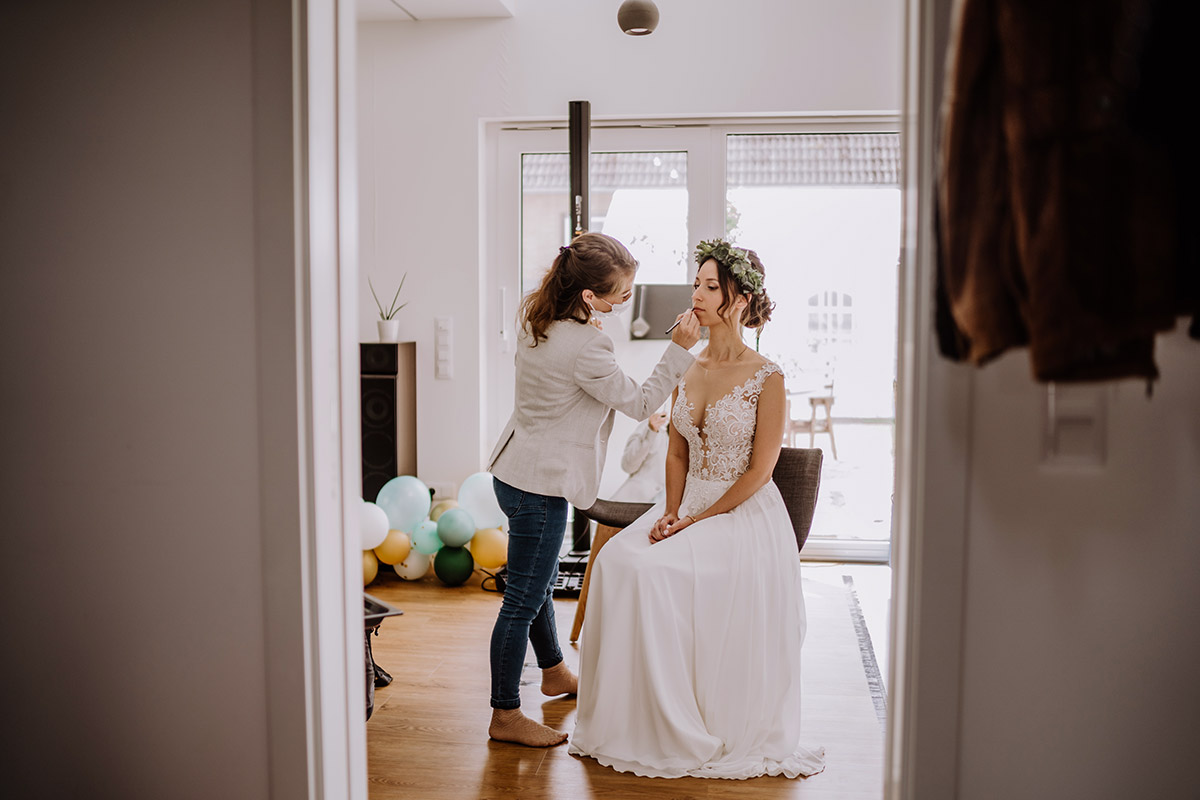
(580, 132)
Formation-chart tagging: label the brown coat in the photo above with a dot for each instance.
(1059, 207)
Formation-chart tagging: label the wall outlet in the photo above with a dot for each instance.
(443, 490)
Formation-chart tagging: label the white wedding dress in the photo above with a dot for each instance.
(690, 652)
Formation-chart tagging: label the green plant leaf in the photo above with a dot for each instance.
(392, 307)
(379, 305)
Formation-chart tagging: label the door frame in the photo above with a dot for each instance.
(933, 443)
(306, 305)
(933, 410)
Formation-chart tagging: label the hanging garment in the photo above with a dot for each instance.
(1064, 185)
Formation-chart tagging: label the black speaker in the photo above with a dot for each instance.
(379, 359)
(378, 388)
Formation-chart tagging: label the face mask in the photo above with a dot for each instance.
(616, 310)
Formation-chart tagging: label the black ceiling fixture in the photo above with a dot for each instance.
(638, 17)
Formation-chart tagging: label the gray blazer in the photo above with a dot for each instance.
(568, 389)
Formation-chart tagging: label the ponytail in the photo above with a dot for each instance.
(591, 261)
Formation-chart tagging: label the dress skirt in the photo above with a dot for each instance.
(690, 653)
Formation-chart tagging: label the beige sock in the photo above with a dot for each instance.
(511, 725)
(559, 680)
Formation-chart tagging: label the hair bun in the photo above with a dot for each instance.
(758, 313)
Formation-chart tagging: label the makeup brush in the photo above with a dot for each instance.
(673, 327)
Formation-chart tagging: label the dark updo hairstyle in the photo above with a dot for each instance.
(591, 261)
(758, 311)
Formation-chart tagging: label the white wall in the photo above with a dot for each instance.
(1078, 655)
(131, 563)
(425, 86)
(1080, 646)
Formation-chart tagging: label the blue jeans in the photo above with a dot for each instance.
(536, 524)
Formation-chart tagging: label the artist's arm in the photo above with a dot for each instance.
(676, 470)
(768, 439)
(598, 373)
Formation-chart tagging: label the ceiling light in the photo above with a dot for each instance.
(637, 17)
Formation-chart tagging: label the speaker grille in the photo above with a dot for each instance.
(378, 359)
(379, 457)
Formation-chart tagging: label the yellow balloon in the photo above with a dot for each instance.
(442, 507)
(370, 567)
(489, 547)
(394, 548)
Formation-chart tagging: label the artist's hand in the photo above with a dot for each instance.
(596, 323)
(659, 531)
(657, 421)
(687, 333)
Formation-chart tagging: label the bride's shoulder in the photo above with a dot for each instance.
(765, 366)
(766, 372)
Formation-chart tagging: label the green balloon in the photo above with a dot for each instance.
(453, 565)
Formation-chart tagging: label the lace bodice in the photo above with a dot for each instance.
(719, 448)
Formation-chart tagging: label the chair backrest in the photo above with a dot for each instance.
(798, 476)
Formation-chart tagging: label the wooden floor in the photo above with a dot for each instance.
(427, 738)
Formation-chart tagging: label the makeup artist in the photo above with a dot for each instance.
(551, 453)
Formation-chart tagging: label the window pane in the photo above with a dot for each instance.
(641, 199)
(823, 213)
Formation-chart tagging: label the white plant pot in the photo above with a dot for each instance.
(389, 330)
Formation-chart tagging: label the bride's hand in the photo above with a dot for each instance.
(679, 525)
(659, 531)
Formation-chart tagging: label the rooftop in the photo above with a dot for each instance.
(817, 159)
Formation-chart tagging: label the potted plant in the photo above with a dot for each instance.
(389, 326)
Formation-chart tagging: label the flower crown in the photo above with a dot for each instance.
(735, 259)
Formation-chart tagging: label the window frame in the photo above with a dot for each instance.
(505, 141)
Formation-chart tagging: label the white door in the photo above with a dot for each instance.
(648, 186)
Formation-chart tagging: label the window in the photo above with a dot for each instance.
(818, 200)
(639, 198)
(830, 320)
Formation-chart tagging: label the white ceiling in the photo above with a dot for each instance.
(408, 10)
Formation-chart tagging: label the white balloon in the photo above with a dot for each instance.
(414, 566)
(478, 498)
(372, 525)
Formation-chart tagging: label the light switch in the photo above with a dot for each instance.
(1075, 425)
(443, 348)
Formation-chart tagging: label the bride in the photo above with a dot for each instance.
(690, 654)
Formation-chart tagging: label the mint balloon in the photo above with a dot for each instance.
(455, 527)
(425, 538)
(406, 501)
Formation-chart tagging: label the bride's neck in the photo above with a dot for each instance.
(725, 343)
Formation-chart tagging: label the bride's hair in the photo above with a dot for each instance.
(758, 312)
(591, 261)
